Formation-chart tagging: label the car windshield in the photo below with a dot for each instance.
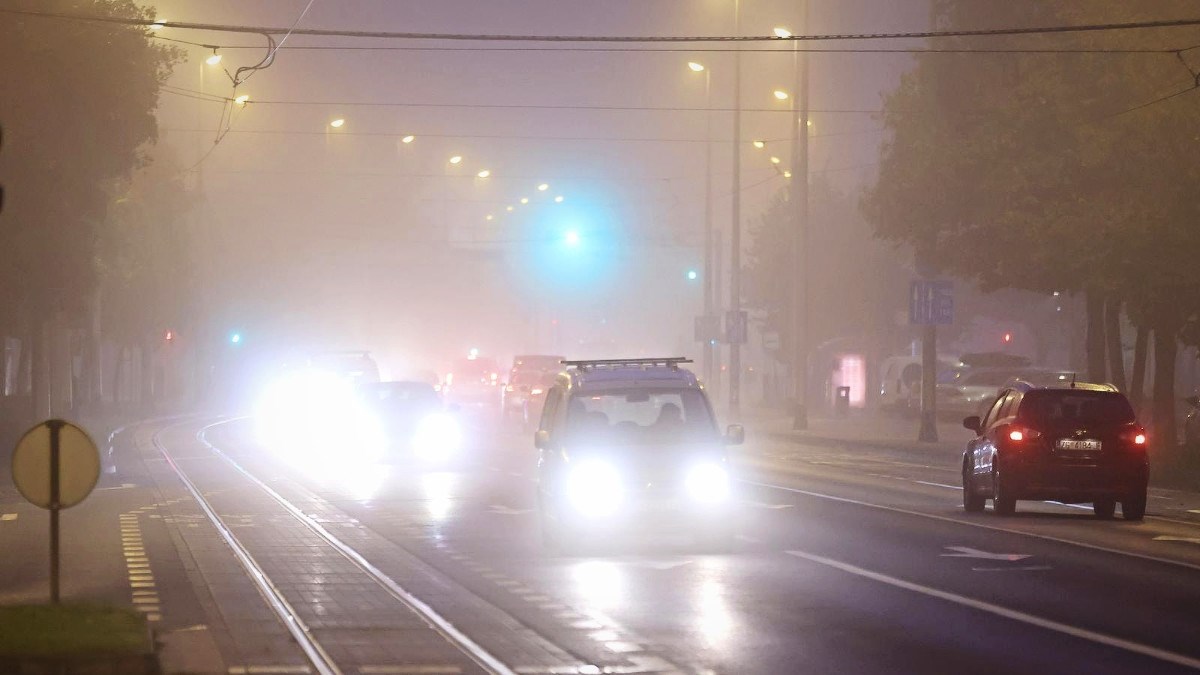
(533, 377)
(1074, 407)
(640, 416)
(402, 394)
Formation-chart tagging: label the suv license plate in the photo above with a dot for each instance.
(1073, 444)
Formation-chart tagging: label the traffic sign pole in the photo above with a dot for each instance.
(55, 474)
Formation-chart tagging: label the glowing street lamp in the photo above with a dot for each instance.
(543, 187)
(408, 139)
(760, 144)
(157, 26)
(484, 174)
(696, 67)
(242, 99)
(489, 217)
(457, 159)
(338, 123)
(775, 160)
(571, 238)
(558, 199)
(781, 94)
(214, 59)
(782, 33)
(524, 200)
(509, 207)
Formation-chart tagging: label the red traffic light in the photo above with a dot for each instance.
(1007, 338)
(169, 336)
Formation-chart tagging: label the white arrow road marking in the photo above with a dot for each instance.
(1190, 540)
(508, 511)
(997, 610)
(968, 552)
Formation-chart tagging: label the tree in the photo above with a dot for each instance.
(77, 100)
(1064, 168)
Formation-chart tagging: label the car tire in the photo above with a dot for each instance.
(1002, 502)
(1104, 508)
(973, 502)
(1134, 506)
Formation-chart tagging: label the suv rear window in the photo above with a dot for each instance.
(640, 415)
(1053, 407)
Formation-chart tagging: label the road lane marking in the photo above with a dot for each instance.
(941, 485)
(968, 523)
(997, 610)
(1018, 568)
(409, 670)
(1190, 540)
(8, 516)
(968, 552)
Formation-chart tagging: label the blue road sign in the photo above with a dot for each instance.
(931, 301)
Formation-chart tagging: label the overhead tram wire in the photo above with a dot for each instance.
(689, 50)
(647, 39)
(518, 137)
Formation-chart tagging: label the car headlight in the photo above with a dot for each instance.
(594, 488)
(708, 483)
(437, 436)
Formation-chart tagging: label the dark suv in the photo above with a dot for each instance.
(1072, 443)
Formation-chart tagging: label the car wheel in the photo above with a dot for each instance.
(1134, 507)
(972, 501)
(1104, 508)
(1003, 503)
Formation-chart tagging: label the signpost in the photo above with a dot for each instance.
(930, 304)
(55, 466)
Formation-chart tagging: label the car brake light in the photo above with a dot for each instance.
(1019, 435)
(535, 392)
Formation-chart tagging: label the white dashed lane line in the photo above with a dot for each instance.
(8, 516)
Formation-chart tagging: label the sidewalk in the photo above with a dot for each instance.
(860, 428)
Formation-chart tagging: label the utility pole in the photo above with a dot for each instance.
(709, 281)
(735, 238)
(800, 232)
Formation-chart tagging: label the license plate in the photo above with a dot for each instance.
(1077, 444)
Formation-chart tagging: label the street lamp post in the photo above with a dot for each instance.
(800, 234)
(709, 296)
(735, 235)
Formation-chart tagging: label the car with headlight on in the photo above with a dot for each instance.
(628, 446)
(414, 422)
(525, 394)
(473, 383)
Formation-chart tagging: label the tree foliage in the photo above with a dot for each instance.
(1053, 171)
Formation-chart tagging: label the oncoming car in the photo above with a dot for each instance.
(1072, 443)
(415, 424)
(629, 445)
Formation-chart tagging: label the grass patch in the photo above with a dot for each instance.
(71, 630)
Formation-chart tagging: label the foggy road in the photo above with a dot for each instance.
(395, 568)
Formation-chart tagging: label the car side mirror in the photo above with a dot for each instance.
(541, 439)
(735, 434)
(971, 423)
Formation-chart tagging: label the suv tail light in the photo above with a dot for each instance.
(1022, 434)
(1135, 437)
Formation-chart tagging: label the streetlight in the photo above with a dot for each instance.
(543, 187)
(338, 123)
(242, 100)
(489, 217)
(408, 139)
(558, 199)
(781, 94)
(524, 200)
(157, 26)
(484, 174)
(775, 160)
(457, 159)
(782, 33)
(571, 238)
(709, 296)
(509, 207)
(214, 59)
(760, 144)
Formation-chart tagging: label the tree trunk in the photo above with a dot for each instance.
(1096, 371)
(1137, 380)
(1116, 350)
(1165, 350)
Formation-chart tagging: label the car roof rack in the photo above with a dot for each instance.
(671, 362)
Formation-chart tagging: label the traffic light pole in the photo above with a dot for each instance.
(709, 281)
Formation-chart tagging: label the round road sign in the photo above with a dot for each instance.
(78, 465)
